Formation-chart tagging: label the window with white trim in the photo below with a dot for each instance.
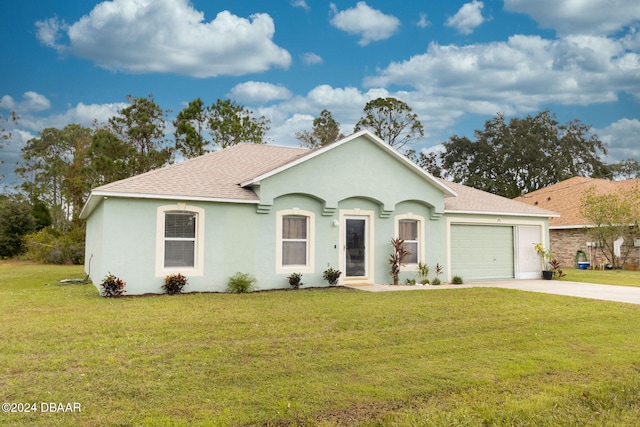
(180, 239)
(295, 241)
(408, 231)
(295, 237)
(410, 228)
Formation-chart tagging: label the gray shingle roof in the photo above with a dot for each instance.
(216, 175)
(473, 200)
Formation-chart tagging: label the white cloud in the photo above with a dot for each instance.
(301, 4)
(521, 74)
(468, 18)
(48, 32)
(32, 122)
(310, 58)
(82, 114)
(169, 36)
(370, 24)
(622, 138)
(579, 16)
(31, 102)
(258, 92)
(423, 22)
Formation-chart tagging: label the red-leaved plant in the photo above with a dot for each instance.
(112, 286)
(174, 283)
(397, 257)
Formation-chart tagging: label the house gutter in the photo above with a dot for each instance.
(470, 212)
(97, 196)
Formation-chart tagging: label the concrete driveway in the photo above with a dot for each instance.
(626, 294)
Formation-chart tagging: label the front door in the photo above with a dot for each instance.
(356, 247)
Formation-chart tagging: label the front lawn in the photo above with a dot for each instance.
(603, 277)
(475, 356)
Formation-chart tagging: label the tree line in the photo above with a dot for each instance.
(61, 166)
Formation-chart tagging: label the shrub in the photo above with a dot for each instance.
(411, 282)
(112, 286)
(174, 283)
(436, 282)
(16, 221)
(457, 280)
(331, 276)
(240, 283)
(295, 280)
(51, 246)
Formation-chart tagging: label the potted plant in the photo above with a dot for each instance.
(545, 257)
(555, 269)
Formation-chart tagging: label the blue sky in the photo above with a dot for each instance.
(456, 63)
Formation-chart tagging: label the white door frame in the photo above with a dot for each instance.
(367, 216)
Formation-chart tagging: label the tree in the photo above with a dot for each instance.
(523, 155)
(231, 124)
(189, 124)
(612, 215)
(141, 125)
(428, 162)
(626, 169)
(111, 159)
(16, 221)
(55, 171)
(77, 179)
(46, 160)
(5, 135)
(325, 131)
(41, 215)
(392, 121)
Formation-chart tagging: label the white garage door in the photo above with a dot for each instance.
(482, 252)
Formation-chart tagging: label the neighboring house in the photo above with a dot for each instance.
(271, 211)
(569, 232)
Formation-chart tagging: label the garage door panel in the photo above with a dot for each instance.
(482, 251)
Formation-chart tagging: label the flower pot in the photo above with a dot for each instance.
(547, 274)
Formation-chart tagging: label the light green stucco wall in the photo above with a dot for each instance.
(358, 168)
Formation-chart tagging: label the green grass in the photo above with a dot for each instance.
(603, 277)
(326, 357)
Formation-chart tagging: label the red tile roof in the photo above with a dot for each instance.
(564, 198)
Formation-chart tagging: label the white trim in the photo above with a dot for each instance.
(448, 192)
(469, 212)
(421, 238)
(95, 197)
(370, 244)
(311, 242)
(160, 269)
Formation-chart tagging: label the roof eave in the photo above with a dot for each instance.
(96, 196)
(504, 213)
